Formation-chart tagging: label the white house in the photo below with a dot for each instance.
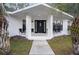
(38, 22)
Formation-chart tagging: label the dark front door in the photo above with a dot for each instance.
(40, 26)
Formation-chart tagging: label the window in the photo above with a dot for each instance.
(57, 26)
(23, 29)
(24, 25)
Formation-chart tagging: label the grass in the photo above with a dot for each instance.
(61, 45)
(20, 46)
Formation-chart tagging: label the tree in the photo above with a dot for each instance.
(75, 35)
(71, 8)
(4, 38)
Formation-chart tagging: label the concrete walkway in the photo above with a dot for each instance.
(41, 47)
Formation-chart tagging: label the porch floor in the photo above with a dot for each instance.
(41, 47)
(45, 37)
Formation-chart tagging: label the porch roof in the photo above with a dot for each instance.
(35, 5)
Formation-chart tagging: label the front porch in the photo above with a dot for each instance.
(41, 29)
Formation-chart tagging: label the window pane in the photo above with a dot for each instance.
(57, 27)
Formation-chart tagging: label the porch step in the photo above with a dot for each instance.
(39, 38)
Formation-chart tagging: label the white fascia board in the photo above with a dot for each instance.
(23, 9)
(58, 10)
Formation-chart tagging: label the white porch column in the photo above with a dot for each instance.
(50, 28)
(65, 27)
(28, 26)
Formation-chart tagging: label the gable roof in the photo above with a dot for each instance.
(43, 5)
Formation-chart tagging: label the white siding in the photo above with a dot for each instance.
(65, 27)
(14, 25)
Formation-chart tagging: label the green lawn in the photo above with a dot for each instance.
(20, 46)
(61, 45)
